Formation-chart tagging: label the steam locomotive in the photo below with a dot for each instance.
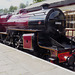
(41, 31)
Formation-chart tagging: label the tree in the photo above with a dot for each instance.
(15, 7)
(27, 3)
(36, 1)
(12, 8)
(5, 11)
(22, 5)
(1, 11)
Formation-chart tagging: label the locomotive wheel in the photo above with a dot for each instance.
(17, 44)
(35, 53)
(4, 41)
(56, 61)
(46, 57)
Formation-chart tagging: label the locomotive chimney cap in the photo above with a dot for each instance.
(45, 6)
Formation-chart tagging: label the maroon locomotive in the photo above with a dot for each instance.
(41, 31)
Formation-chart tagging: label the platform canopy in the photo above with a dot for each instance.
(43, 2)
(52, 3)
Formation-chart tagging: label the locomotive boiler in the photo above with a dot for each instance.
(41, 31)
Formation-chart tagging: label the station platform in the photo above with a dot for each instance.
(16, 62)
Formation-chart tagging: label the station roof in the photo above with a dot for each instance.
(52, 3)
(43, 2)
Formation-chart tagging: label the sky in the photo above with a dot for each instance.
(8, 3)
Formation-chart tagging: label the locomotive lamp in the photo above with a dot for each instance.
(65, 57)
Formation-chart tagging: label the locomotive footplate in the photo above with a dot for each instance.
(27, 30)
